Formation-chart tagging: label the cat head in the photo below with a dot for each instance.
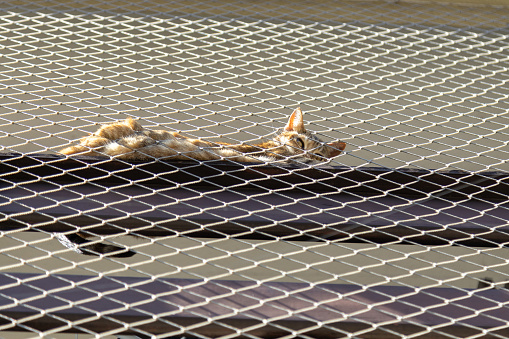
(298, 141)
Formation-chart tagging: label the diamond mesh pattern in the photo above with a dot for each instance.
(403, 235)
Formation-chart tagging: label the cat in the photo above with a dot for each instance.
(128, 140)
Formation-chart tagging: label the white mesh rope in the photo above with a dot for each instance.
(403, 235)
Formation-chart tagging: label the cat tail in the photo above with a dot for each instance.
(77, 243)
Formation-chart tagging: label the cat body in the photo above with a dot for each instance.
(128, 140)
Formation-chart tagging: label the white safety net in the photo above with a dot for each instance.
(403, 235)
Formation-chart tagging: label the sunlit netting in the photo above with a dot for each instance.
(403, 235)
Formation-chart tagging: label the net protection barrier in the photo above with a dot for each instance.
(404, 235)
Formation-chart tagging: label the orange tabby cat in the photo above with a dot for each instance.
(128, 140)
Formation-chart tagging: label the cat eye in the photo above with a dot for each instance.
(300, 142)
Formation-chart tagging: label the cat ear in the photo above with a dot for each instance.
(338, 147)
(296, 122)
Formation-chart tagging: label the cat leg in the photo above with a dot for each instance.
(143, 147)
(130, 147)
(92, 144)
(174, 146)
(76, 243)
(160, 135)
(186, 149)
(87, 146)
(179, 148)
